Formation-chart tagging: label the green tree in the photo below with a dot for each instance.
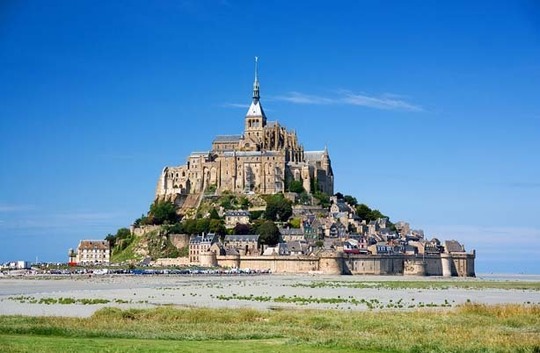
(253, 215)
(214, 214)
(121, 239)
(123, 233)
(295, 222)
(217, 226)
(190, 226)
(242, 229)
(278, 208)
(304, 198)
(227, 201)
(203, 225)
(324, 199)
(244, 203)
(350, 200)
(363, 211)
(111, 239)
(163, 212)
(268, 233)
(177, 228)
(376, 214)
(296, 186)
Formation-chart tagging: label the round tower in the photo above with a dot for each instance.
(331, 263)
(446, 262)
(208, 259)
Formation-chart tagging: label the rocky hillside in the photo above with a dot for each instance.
(154, 243)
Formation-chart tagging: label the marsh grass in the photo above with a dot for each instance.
(425, 284)
(467, 328)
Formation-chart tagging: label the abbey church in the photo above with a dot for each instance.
(262, 160)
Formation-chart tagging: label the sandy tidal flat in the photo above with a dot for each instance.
(41, 296)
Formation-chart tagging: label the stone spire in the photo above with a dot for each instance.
(256, 95)
(255, 109)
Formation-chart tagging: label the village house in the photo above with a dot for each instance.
(93, 252)
(232, 218)
(339, 206)
(298, 247)
(292, 234)
(199, 244)
(243, 244)
(281, 249)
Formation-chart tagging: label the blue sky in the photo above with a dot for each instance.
(430, 110)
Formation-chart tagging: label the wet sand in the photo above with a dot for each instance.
(203, 291)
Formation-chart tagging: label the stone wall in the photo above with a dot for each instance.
(374, 264)
(433, 265)
(338, 263)
(142, 230)
(284, 264)
(179, 240)
(166, 262)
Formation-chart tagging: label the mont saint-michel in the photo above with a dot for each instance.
(261, 160)
(258, 201)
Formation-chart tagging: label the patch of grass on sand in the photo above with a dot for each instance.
(426, 284)
(467, 328)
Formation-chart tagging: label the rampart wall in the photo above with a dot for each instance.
(461, 265)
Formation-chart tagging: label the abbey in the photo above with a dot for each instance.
(263, 160)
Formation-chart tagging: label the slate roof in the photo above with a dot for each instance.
(250, 153)
(313, 155)
(94, 244)
(205, 238)
(291, 231)
(342, 207)
(242, 238)
(199, 154)
(228, 138)
(255, 109)
(453, 246)
(237, 213)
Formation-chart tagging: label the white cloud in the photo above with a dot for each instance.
(301, 98)
(385, 101)
(235, 105)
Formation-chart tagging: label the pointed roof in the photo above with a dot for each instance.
(255, 109)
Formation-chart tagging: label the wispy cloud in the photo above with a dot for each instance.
(301, 98)
(235, 105)
(384, 102)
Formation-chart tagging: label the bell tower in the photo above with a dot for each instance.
(255, 118)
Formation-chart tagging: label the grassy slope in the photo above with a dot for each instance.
(128, 253)
(471, 328)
